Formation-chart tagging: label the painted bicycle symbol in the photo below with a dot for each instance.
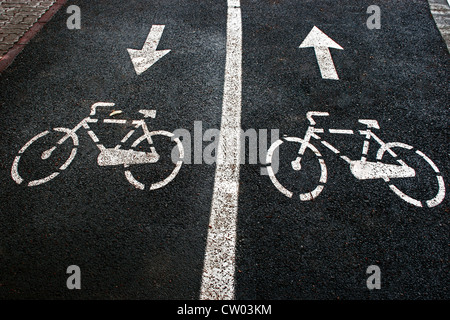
(362, 169)
(63, 137)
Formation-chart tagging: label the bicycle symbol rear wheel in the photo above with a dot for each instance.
(420, 162)
(46, 153)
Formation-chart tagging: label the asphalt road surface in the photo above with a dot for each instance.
(221, 230)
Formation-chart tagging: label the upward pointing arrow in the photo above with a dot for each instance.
(321, 43)
(148, 55)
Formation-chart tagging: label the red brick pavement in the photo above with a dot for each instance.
(20, 21)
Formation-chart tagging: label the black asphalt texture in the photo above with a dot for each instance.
(134, 244)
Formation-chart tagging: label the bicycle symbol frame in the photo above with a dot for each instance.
(108, 156)
(362, 169)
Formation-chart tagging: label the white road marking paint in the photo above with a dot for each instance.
(162, 183)
(133, 181)
(71, 157)
(90, 132)
(361, 169)
(270, 171)
(366, 170)
(44, 180)
(148, 55)
(129, 134)
(440, 195)
(321, 44)
(441, 185)
(115, 121)
(93, 136)
(219, 262)
(346, 159)
(22, 150)
(100, 104)
(114, 157)
(323, 170)
(313, 194)
(46, 154)
(329, 146)
(365, 147)
(15, 170)
(405, 197)
(307, 196)
(431, 163)
(148, 113)
(341, 131)
(108, 156)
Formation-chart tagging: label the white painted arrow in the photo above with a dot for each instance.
(148, 55)
(321, 43)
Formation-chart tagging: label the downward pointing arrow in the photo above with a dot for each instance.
(148, 55)
(321, 43)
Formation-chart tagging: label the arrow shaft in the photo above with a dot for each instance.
(153, 38)
(148, 55)
(326, 64)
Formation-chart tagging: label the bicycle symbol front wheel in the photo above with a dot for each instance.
(170, 146)
(420, 190)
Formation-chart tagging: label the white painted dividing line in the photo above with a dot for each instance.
(219, 263)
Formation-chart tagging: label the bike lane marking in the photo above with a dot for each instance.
(219, 262)
(147, 56)
(322, 44)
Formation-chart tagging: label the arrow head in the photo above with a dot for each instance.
(148, 55)
(142, 60)
(317, 39)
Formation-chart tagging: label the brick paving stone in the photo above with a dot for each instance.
(17, 17)
(440, 10)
